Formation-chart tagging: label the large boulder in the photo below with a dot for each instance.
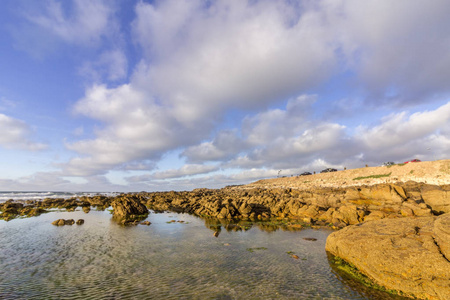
(410, 254)
(128, 208)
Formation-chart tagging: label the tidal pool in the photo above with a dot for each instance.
(166, 260)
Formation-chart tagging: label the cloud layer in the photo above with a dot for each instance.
(243, 89)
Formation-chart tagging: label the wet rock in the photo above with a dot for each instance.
(69, 222)
(409, 254)
(80, 222)
(146, 223)
(59, 222)
(129, 208)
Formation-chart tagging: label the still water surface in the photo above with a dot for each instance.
(102, 260)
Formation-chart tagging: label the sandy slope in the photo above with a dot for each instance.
(431, 172)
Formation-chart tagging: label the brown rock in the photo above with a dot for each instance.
(406, 254)
(441, 233)
(375, 215)
(80, 222)
(128, 208)
(436, 197)
(69, 222)
(59, 222)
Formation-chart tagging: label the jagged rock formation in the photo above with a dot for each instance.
(410, 254)
(340, 207)
(128, 209)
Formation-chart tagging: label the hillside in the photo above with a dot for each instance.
(430, 172)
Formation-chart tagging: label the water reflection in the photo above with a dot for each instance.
(216, 225)
(169, 259)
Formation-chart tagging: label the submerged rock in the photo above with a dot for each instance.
(410, 254)
(62, 222)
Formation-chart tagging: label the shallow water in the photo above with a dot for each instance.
(102, 260)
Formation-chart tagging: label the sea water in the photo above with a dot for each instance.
(39, 195)
(178, 256)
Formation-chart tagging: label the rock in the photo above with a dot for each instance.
(437, 198)
(409, 254)
(307, 220)
(375, 215)
(128, 208)
(59, 222)
(348, 214)
(62, 222)
(310, 239)
(69, 222)
(146, 223)
(441, 233)
(80, 222)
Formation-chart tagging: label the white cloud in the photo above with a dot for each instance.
(202, 60)
(186, 170)
(399, 50)
(85, 23)
(225, 145)
(398, 129)
(135, 128)
(15, 135)
(269, 125)
(231, 54)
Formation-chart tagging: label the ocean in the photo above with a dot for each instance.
(33, 195)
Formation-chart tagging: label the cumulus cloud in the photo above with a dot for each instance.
(397, 50)
(403, 134)
(175, 98)
(398, 128)
(202, 60)
(135, 128)
(15, 135)
(230, 54)
(225, 145)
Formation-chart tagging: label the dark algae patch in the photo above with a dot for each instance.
(353, 277)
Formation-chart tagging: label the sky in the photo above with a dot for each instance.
(136, 95)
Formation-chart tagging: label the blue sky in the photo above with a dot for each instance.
(122, 95)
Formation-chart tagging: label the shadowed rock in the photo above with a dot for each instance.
(128, 208)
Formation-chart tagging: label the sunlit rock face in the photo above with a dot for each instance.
(410, 254)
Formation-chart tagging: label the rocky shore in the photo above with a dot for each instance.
(392, 216)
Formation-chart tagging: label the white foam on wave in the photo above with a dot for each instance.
(14, 195)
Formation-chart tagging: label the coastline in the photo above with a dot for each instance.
(414, 199)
